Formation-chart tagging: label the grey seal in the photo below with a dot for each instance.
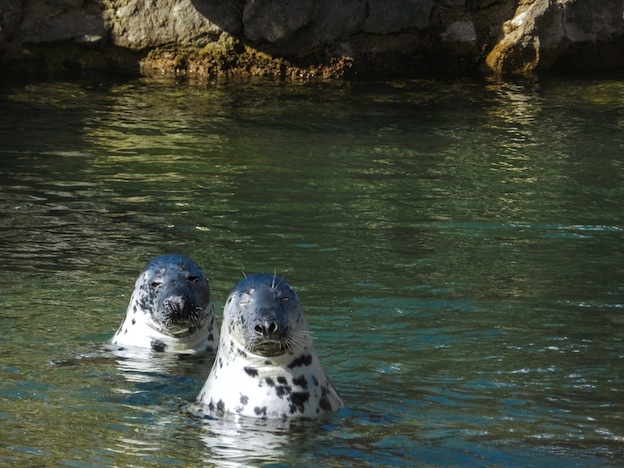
(266, 364)
(170, 309)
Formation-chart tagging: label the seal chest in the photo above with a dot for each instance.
(266, 365)
(170, 309)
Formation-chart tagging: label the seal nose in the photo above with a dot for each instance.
(266, 328)
(178, 308)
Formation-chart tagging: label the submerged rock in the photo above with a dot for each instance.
(311, 38)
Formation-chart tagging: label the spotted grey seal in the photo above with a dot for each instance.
(170, 309)
(266, 365)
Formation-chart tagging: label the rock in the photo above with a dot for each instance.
(67, 20)
(144, 24)
(10, 15)
(226, 14)
(460, 31)
(337, 20)
(543, 32)
(392, 16)
(275, 21)
(309, 38)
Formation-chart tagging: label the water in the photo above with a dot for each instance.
(457, 246)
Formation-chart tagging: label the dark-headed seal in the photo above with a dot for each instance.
(170, 309)
(266, 365)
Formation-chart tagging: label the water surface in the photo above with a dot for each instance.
(457, 246)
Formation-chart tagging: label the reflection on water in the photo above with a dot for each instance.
(238, 442)
(458, 246)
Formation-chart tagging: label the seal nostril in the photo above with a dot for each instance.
(266, 329)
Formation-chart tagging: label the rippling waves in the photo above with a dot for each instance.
(457, 247)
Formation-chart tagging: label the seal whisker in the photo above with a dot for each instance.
(298, 342)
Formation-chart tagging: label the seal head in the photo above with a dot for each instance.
(170, 309)
(266, 365)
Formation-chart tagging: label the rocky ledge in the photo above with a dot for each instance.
(312, 38)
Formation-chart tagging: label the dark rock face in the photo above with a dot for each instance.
(308, 38)
(275, 22)
(394, 16)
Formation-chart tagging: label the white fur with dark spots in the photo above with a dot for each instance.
(266, 364)
(170, 309)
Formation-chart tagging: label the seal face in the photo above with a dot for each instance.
(170, 309)
(266, 365)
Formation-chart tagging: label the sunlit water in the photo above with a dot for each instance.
(458, 248)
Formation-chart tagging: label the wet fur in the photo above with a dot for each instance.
(266, 364)
(170, 309)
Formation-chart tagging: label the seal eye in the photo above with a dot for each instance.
(154, 284)
(193, 279)
(284, 299)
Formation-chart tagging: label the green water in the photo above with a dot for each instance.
(458, 248)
